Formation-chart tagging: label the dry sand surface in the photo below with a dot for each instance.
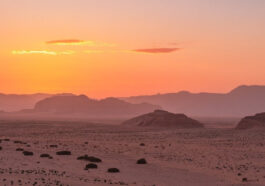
(174, 157)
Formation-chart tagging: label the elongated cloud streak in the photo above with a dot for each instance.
(43, 52)
(76, 42)
(156, 50)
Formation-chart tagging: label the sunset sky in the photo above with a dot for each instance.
(107, 48)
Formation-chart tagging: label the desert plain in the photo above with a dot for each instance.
(174, 157)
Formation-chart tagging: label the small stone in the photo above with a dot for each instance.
(141, 161)
(44, 155)
(91, 166)
(64, 153)
(113, 170)
(27, 153)
(244, 179)
(89, 158)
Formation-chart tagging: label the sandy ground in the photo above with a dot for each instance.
(174, 157)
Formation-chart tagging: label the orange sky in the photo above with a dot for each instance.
(119, 47)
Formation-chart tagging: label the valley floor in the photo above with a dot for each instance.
(174, 157)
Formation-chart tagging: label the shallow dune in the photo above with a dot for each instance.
(174, 157)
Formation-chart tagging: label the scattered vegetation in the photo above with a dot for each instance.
(113, 170)
(89, 158)
(60, 153)
(141, 161)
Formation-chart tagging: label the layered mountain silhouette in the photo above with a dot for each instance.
(16, 102)
(83, 105)
(242, 101)
(13, 102)
(256, 121)
(161, 118)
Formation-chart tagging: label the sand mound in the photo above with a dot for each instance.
(160, 118)
(249, 122)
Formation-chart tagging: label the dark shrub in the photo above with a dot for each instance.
(113, 170)
(64, 153)
(91, 166)
(141, 161)
(53, 146)
(18, 142)
(44, 155)
(244, 179)
(19, 149)
(89, 158)
(27, 153)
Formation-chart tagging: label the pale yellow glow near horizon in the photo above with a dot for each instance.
(44, 52)
(75, 42)
(21, 52)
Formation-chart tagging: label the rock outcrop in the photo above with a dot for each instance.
(257, 121)
(160, 118)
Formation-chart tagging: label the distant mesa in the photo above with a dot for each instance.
(17, 102)
(160, 118)
(257, 121)
(83, 105)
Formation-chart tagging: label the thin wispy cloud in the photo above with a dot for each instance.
(77, 42)
(43, 52)
(156, 50)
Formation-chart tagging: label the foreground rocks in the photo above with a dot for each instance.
(234, 156)
(257, 121)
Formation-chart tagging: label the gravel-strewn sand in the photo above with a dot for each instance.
(174, 157)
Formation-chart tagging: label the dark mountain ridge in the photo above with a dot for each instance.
(90, 107)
